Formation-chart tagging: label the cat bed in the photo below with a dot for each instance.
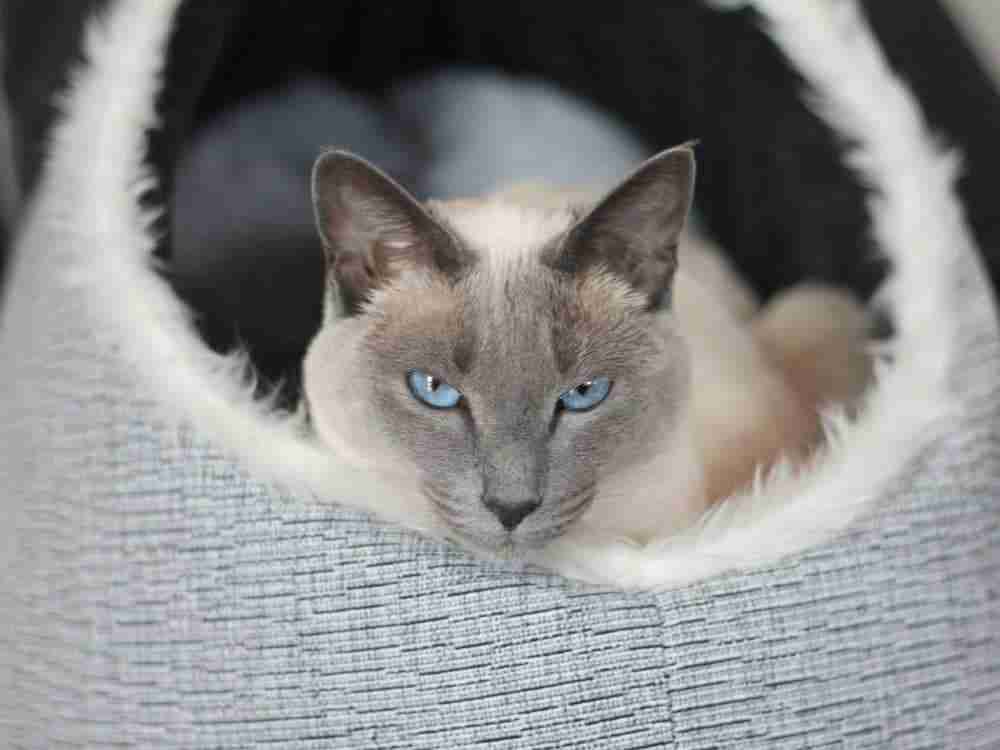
(181, 565)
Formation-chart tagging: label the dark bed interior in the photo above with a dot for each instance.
(771, 187)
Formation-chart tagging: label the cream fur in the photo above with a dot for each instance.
(745, 413)
(88, 221)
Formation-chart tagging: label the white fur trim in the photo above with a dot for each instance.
(89, 201)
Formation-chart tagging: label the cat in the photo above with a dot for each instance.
(540, 360)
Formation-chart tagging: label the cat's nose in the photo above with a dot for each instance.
(511, 513)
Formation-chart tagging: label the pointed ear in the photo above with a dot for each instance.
(373, 230)
(634, 230)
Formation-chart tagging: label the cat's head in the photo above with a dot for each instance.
(513, 358)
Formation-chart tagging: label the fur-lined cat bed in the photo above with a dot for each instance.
(184, 566)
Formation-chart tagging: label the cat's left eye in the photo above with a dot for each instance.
(586, 395)
(431, 390)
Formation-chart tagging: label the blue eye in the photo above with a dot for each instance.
(586, 395)
(431, 390)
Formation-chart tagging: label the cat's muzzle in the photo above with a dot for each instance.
(503, 526)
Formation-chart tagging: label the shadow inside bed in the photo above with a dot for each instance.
(241, 248)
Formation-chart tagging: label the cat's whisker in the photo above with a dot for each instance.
(439, 497)
(451, 514)
(576, 503)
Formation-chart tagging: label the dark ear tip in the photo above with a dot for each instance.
(678, 155)
(337, 167)
(333, 161)
(325, 166)
(332, 169)
(331, 155)
(677, 162)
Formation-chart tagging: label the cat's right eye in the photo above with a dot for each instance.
(586, 395)
(432, 391)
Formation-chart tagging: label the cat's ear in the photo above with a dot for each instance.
(634, 230)
(373, 230)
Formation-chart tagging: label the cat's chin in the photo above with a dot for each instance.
(510, 546)
(470, 524)
(500, 548)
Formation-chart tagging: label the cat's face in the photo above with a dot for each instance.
(514, 377)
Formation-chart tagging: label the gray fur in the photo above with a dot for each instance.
(553, 326)
(634, 230)
(372, 229)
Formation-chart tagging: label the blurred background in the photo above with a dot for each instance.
(980, 21)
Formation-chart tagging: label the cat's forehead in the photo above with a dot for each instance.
(506, 318)
(504, 228)
(509, 311)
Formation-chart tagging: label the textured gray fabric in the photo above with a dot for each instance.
(154, 595)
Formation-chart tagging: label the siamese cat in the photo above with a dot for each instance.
(541, 360)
